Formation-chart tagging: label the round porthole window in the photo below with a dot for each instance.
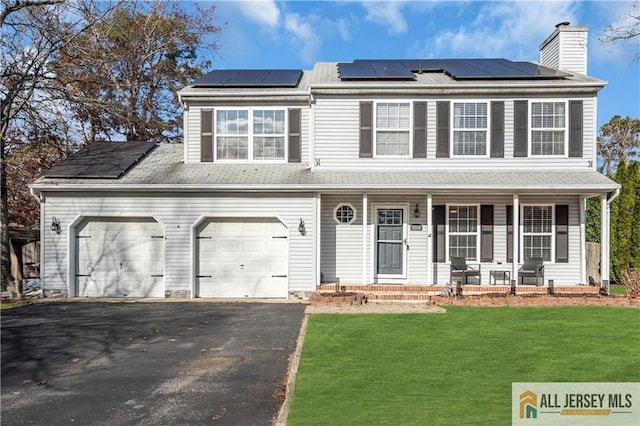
(344, 213)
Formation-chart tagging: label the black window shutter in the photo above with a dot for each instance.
(520, 129)
(294, 135)
(497, 129)
(486, 233)
(419, 130)
(509, 234)
(562, 233)
(366, 129)
(442, 130)
(206, 135)
(575, 128)
(438, 233)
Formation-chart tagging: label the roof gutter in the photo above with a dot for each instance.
(36, 188)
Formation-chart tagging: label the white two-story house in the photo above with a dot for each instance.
(367, 172)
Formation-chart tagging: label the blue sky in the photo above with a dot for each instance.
(295, 34)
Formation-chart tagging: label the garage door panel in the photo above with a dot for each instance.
(123, 256)
(241, 256)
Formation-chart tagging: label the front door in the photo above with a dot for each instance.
(390, 242)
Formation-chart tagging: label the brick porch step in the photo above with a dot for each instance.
(394, 292)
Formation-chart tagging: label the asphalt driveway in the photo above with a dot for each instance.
(95, 363)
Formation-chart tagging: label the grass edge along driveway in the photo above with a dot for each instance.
(456, 368)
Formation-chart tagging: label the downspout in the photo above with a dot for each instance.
(39, 195)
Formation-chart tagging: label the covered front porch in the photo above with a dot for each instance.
(388, 244)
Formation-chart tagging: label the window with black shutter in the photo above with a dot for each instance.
(438, 219)
(442, 129)
(562, 233)
(206, 135)
(366, 129)
(486, 233)
(294, 135)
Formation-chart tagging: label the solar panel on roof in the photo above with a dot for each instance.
(215, 78)
(283, 78)
(463, 69)
(539, 71)
(356, 70)
(108, 160)
(374, 70)
(459, 69)
(250, 78)
(391, 70)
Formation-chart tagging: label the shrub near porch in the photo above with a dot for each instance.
(455, 368)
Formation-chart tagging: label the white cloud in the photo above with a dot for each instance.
(503, 29)
(264, 12)
(387, 13)
(305, 37)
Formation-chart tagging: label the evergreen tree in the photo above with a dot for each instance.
(593, 220)
(634, 175)
(622, 218)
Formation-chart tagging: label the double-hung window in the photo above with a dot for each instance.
(250, 134)
(463, 231)
(470, 128)
(548, 128)
(393, 120)
(537, 232)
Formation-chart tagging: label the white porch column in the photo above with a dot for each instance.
(583, 240)
(516, 237)
(429, 239)
(365, 227)
(604, 240)
(318, 236)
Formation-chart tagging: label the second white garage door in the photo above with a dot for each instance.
(240, 258)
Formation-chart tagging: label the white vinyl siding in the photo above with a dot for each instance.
(341, 244)
(573, 53)
(178, 213)
(337, 134)
(550, 54)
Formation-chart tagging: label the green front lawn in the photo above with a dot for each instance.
(454, 368)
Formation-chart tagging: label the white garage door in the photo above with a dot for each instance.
(120, 257)
(242, 258)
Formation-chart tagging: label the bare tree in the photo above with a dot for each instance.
(31, 33)
(122, 75)
(619, 141)
(626, 30)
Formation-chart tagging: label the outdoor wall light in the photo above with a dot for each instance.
(416, 211)
(55, 225)
(301, 227)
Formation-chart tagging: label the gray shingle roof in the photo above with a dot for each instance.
(164, 170)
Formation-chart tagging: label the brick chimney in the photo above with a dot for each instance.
(566, 48)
